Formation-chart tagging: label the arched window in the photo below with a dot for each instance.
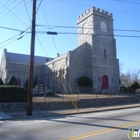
(103, 26)
(104, 82)
(84, 30)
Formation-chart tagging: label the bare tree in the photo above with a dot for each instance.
(135, 74)
(126, 79)
(121, 67)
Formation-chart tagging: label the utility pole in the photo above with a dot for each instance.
(31, 66)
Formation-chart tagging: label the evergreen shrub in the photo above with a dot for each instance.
(12, 94)
(1, 82)
(12, 81)
(135, 85)
(84, 81)
(50, 93)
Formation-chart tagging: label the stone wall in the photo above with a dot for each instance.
(80, 63)
(56, 72)
(65, 105)
(20, 69)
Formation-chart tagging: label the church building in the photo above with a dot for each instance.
(95, 57)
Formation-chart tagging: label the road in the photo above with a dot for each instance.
(109, 125)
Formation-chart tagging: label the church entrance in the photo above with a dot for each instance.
(104, 82)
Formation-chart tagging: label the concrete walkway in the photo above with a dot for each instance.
(4, 116)
(52, 113)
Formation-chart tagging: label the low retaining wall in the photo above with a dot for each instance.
(65, 105)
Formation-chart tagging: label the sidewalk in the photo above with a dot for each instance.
(53, 113)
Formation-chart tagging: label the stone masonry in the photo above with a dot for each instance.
(68, 104)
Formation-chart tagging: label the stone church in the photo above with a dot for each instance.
(95, 57)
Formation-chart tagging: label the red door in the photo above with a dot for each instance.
(105, 82)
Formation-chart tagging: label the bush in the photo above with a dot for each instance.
(84, 81)
(135, 86)
(12, 94)
(26, 84)
(127, 89)
(12, 81)
(1, 82)
(50, 93)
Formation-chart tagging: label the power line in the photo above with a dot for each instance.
(12, 40)
(19, 13)
(72, 3)
(46, 32)
(36, 34)
(124, 12)
(53, 26)
(49, 29)
(10, 10)
(8, 43)
(21, 33)
(42, 45)
(14, 14)
(7, 28)
(68, 33)
(102, 8)
(7, 6)
(39, 6)
(3, 7)
(26, 9)
(127, 1)
(9, 39)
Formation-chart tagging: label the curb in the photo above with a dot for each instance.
(73, 113)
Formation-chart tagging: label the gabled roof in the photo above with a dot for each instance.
(57, 58)
(25, 59)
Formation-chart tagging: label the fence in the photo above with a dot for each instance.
(82, 94)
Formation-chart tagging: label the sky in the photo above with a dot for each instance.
(60, 16)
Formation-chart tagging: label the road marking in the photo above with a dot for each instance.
(101, 131)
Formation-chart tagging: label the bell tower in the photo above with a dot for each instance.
(94, 22)
(95, 29)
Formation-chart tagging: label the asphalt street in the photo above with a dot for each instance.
(107, 125)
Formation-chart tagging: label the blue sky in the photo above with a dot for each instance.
(15, 14)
